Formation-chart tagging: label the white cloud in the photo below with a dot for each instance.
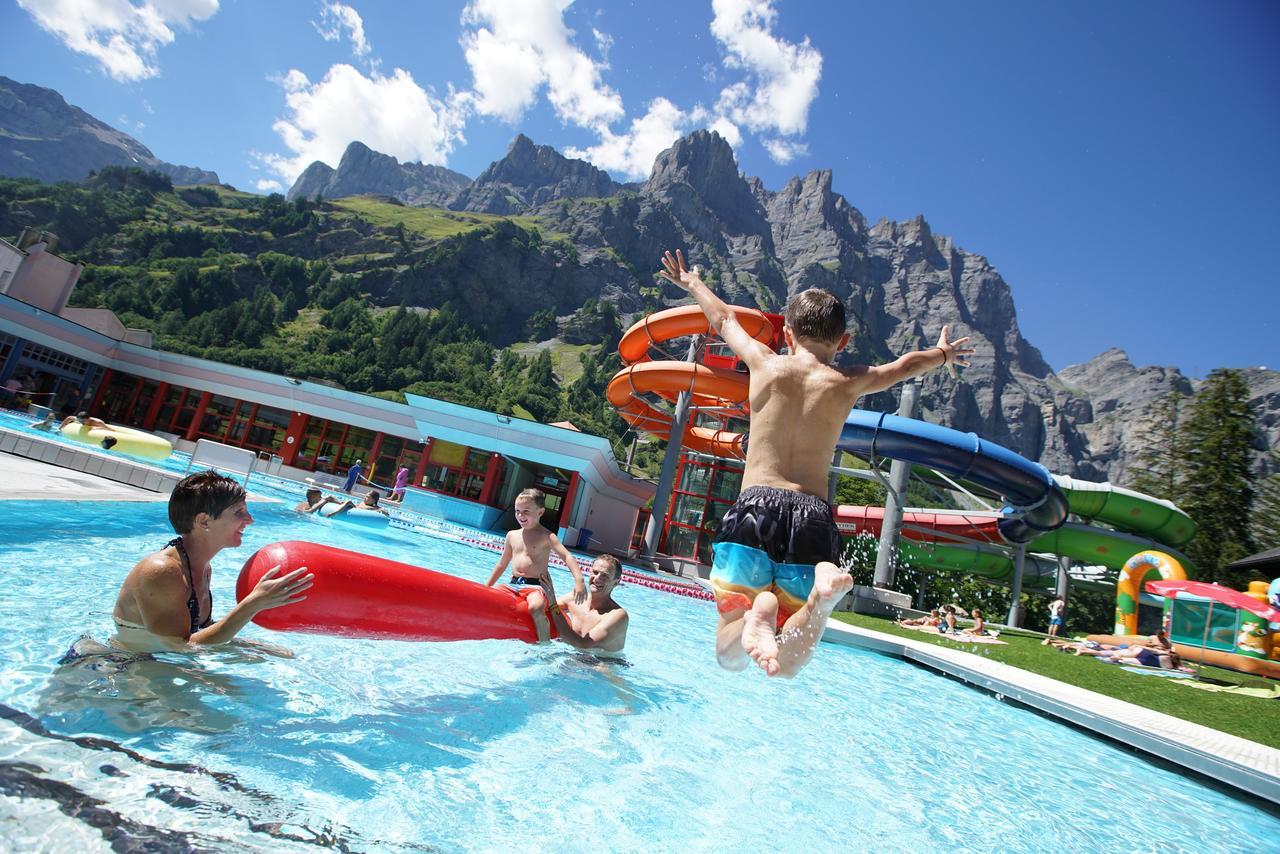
(631, 154)
(782, 78)
(269, 185)
(390, 114)
(122, 36)
(784, 150)
(336, 19)
(516, 47)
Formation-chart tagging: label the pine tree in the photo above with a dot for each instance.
(1219, 478)
(1264, 521)
(1160, 466)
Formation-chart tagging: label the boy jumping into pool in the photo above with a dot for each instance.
(528, 549)
(774, 570)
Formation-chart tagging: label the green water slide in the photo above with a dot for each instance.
(1137, 523)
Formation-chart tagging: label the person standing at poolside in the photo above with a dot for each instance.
(1056, 607)
(774, 559)
(599, 623)
(353, 475)
(397, 488)
(165, 603)
(528, 550)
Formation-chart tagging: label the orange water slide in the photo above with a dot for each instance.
(631, 388)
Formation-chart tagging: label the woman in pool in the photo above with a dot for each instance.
(165, 603)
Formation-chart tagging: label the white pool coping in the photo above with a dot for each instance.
(1235, 761)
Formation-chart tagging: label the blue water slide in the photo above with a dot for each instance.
(1035, 504)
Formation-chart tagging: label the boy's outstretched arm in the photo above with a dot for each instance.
(579, 586)
(722, 319)
(947, 352)
(502, 562)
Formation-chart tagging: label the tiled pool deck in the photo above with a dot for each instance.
(1239, 763)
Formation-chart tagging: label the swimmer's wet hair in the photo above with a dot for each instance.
(615, 566)
(817, 315)
(537, 496)
(202, 492)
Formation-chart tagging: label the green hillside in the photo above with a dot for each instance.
(362, 292)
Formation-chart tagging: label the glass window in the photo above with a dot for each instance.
(189, 402)
(217, 417)
(477, 461)
(681, 541)
(688, 510)
(694, 477)
(726, 484)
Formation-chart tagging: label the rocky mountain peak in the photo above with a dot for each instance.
(363, 170)
(531, 175)
(44, 137)
(698, 174)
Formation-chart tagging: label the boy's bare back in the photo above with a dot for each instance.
(798, 407)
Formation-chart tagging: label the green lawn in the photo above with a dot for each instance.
(566, 359)
(1248, 717)
(434, 223)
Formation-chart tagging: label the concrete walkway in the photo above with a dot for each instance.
(1238, 762)
(32, 479)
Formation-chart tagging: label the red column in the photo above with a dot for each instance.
(201, 408)
(492, 479)
(153, 411)
(293, 438)
(566, 515)
(107, 374)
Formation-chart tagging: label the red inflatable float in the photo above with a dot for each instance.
(361, 596)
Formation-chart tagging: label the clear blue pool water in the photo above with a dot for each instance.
(493, 745)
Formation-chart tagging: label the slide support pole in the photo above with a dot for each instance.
(899, 471)
(1019, 566)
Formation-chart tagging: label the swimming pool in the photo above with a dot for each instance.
(497, 744)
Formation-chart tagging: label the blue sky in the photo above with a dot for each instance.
(1118, 162)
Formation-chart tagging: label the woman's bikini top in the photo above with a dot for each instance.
(193, 604)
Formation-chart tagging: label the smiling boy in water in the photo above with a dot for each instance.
(774, 560)
(528, 549)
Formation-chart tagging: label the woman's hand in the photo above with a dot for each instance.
(272, 592)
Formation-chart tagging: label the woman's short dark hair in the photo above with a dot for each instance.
(202, 492)
(817, 315)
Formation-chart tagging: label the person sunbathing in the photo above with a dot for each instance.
(979, 626)
(934, 619)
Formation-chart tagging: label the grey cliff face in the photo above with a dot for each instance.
(44, 137)
(363, 170)
(530, 176)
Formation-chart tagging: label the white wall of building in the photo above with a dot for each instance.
(611, 522)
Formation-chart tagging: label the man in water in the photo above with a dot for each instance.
(165, 603)
(599, 623)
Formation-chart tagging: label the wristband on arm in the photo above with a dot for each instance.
(944, 355)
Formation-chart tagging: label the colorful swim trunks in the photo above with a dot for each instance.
(771, 539)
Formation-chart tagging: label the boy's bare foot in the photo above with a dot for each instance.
(758, 628)
(830, 582)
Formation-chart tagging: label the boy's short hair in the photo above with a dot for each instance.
(109, 442)
(615, 566)
(537, 496)
(816, 314)
(313, 494)
(375, 495)
(202, 492)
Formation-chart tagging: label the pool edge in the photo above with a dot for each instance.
(1242, 764)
